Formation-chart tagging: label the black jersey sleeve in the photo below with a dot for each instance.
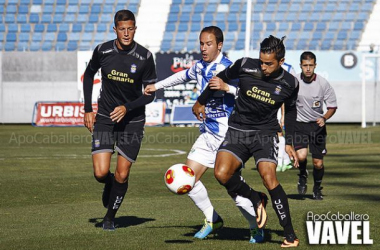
(141, 101)
(291, 115)
(88, 79)
(149, 74)
(232, 72)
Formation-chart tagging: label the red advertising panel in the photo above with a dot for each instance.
(59, 114)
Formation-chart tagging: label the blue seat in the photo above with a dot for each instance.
(9, 46)
(39, 28)
(317, 35)
(72, 46)
(50, 36)
(24, 27)
(74, 36)
(60, 46)
(84, 46)
(9, 18)
(106, 18)
(63, 27)
(354, 35)
(296, 26)
(81, 19)
(83, 9)
(195, 27)
(12, 27)
(271, 27)
(93, 19)
(11, 37)
(170, 27)
(187, 8)
(303, 17)
(24, 37)
(87, 37)
(58, 18)
(11, 9)
(326, 17)
(47, 9)
(279, 17)
(61, 37)
(168, 36)
(183, 27)
(69, 18)
(61, 2)
(108, 9)
(35, 46)
(193, 36)
(308, 26)
(174, 8)
(342, 35)
(329, 35)
(173, 17)
(52, 27)
(37, 37)
(46, 46)
(22, 18)
(100, 37)
(321, 27)
(181, 36)
(101, 27)
(347, 26)
(333, 26)
(199, 8)
(196, 18)
(362, 17)
(166, 46)
(351, 17)
(72, 9)
(233, 26)
(184, 18)
(77, 27)
(23, 9)
(96, 8)
(46, 19)
(59, 9)
(89, 27)
(358, 26)
(22, 46)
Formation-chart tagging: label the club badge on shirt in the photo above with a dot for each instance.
(316, 104)
(277, 90)
(133, 68)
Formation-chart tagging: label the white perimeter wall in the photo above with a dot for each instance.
(28, 77)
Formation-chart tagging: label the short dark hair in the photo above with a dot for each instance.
(124, 15)
(308, 55)
(218, 33)
(273, 44)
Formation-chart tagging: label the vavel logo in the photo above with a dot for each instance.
(338, 228)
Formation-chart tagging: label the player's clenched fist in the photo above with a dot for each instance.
(89, 120)
(150, 89)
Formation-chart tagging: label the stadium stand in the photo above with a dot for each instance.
(82, 24)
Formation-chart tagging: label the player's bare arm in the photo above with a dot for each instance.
(89, 120)
(292, 155)
(218, 84)
(118, 113)
(199, 111)
(322, 120)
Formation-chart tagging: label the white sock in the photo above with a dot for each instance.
(246, 208)
(200, 198)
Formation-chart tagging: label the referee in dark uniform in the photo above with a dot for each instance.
(126, 69)
(310, 129)
(263, 87)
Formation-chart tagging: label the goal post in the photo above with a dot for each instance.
(376, 61)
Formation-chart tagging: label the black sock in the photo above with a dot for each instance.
(281, 207)
(302, 167)
(107, 179)
(318, 176)
(116, 198)
(236, 185)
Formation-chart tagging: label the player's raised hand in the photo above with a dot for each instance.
(89, 120)
(118, 113)
(292, 155)
(149, 89)
(217, 84)
(199, 111)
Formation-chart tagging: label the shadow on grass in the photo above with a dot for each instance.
(356, 185)
(300, 197)
(122, 222)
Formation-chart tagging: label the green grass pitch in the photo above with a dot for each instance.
(50, 200)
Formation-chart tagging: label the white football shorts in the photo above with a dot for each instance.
(204, 149)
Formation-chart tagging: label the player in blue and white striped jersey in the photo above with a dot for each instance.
(218, 109)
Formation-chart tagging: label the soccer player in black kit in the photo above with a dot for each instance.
(126, 69)
(263, 87)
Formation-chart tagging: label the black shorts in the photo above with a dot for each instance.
(263, 146)
(124, 137)
(312, 135)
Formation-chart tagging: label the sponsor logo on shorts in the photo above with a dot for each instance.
(133, 68)
(97, 143)
(224, 143)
